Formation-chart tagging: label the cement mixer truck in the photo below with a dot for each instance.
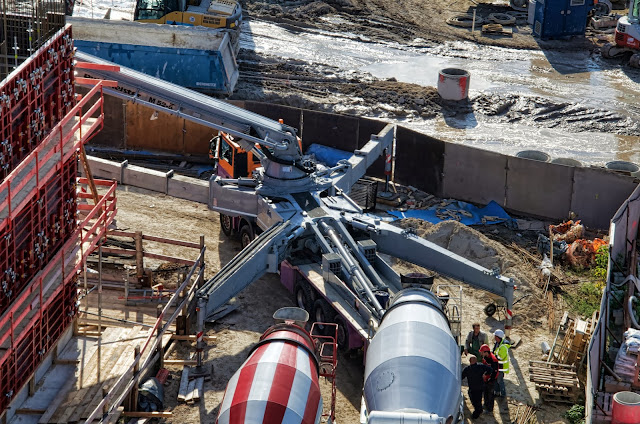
(333, 253)
(279, 381)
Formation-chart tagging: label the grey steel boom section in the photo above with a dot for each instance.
(161, 95)
(407, 246)
(255, 260)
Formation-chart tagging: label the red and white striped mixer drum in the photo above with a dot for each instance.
(277, 384)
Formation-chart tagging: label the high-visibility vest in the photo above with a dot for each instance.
(502, 352)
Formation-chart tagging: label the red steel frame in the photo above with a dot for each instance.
(38, 309)
(22, 255)
(38, 206)
(39, 93)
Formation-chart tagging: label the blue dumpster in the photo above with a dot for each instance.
(561, 18)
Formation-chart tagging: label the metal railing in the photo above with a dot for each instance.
(153, 342)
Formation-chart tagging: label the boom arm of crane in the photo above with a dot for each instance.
(170, 98)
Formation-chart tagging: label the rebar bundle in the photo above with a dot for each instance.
(25, 25)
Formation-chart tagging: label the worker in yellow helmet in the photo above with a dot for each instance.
(501, 350)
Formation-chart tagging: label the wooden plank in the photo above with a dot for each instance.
(184, 385)
(139, 414)
(114, 371)
(199, 389)
(94, 389)
(84, 368)
(189, 362)
(55, 403)
(88, 376)
(29, 411)
(544, 364)
(190, 390)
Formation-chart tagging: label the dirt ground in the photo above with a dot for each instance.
(402, 21)
(236, 333)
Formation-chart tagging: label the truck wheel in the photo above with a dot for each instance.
(303, 297)
(343, 334)
(490, 309)
(322, 312)
(225, 224)
(246, 235)
(634, 61)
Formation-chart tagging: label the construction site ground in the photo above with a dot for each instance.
(381, 59)
(237, 332)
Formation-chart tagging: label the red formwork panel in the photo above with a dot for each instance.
(33, 98)
(35, 320)
(35, 235)
(31, 345)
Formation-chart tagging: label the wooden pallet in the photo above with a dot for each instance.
(602, 410)
(555, 382)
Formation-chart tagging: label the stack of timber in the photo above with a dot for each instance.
(576, 340)
(191, 385)
(525, 414)
(555, 382)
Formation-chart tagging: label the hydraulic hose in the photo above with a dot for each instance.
(353, 267)
(366, 266)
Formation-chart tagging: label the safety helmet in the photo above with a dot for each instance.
(485, 348)
(499, 333)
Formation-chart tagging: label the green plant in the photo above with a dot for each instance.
(575, 414)
(586, 300)
(599, 272)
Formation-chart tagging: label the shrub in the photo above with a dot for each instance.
(575, 414)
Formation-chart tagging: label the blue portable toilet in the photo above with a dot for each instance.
(561, 18)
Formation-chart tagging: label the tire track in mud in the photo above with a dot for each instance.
(321, 87)
(538, 111)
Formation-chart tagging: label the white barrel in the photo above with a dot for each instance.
(453, 84)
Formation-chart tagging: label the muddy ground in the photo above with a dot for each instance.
(403, 21)
(560, 92)
(237, 332)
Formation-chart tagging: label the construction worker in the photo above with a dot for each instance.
(501, 351)
(489, 359)
(475, 339)
(474, 374)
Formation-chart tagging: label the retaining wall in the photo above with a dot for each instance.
(445, 169)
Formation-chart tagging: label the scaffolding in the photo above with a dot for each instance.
(25, 26)
(43, 240)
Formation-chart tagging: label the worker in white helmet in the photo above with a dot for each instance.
(501, 351)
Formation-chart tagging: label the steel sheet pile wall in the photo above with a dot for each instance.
(40, 215)
(25, 26)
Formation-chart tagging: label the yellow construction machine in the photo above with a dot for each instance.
(207, 13)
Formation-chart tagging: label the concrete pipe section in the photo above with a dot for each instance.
(621, 165)
(453, 84)
(412, 370)
(625, 408)
(567, 162)
(534, 155)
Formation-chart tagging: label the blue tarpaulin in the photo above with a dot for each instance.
(328, 155)
(492, 210)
